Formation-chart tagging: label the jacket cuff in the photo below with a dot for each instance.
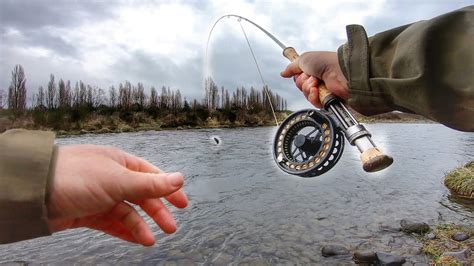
(26, 163)
(354, 60)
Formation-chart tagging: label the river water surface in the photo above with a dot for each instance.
(243, 209)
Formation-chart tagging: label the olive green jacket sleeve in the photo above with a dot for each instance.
(26, 159)
(425, 68)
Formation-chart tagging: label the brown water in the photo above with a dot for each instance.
(244, 209)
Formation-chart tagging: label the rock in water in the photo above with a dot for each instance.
(461, 256)
(333, 250)
(460, 236)
(412, 227)
(364, 257)
(389, 259)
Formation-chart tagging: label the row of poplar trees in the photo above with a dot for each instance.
(63, 95)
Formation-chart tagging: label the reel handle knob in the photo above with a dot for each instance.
(292, 55)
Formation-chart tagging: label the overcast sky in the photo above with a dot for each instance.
(105, 42)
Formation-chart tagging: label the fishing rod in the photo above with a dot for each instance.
(310, 142)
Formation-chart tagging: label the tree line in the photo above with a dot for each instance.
(63, 95)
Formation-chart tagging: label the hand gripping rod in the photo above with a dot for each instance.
(373, 159)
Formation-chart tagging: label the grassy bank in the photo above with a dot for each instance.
(108, 120)
(393, 117)
(460, 181)
(69, 122)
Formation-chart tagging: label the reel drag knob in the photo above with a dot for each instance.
(308, 143)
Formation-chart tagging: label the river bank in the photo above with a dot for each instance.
(66, 123)
(73, 123)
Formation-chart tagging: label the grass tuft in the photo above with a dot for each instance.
(461, 180)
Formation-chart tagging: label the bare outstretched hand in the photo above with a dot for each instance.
(97, 186)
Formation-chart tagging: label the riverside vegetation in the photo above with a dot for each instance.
(460, 181)
(85, 108)
(90, 109)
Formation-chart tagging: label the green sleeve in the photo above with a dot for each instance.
(26, 163)
(425, 68)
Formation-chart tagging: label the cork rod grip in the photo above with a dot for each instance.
(292, 55)
(374, 160)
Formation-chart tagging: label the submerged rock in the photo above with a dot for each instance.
(334, 250)
(414, 227)
(389, 228)
(460, 256)
(460, 236)
(389, 259)
(364, 257)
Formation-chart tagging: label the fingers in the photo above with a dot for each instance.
(313, 97)
(160, 214)
(300, 80)
(134, 223)
(138, 164)
(309, 83)
(116, 229)
(178, 199)
(134, 186)
(309, 86)
(291, 70)
(337, 84)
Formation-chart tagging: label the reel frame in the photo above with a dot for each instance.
(321, 152)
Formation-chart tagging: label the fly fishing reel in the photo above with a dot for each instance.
(308, 143)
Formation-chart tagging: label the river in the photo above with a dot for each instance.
(243, 209)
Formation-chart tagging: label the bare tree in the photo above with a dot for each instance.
(68, 94)
(125, 95)
(112, 97)
(211, 97)
(99, 97)
(164, 98)
(40, 98)
(82, 94)
(2, 99)
(62, 98)
(89, 97)
(17, 90)
(138, 95)
(154, 99)
(51, 93)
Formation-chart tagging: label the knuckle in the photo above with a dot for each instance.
(158, 186)
(150, 186)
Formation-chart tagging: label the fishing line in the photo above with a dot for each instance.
(265, 86)
(239, 18)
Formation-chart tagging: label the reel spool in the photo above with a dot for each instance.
(308, 143)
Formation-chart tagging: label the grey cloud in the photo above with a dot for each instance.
(160, 71)
(28, 14)
(45, 40)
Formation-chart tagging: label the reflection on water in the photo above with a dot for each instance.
(244, 209)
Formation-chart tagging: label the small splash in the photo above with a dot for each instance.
(216, 140)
